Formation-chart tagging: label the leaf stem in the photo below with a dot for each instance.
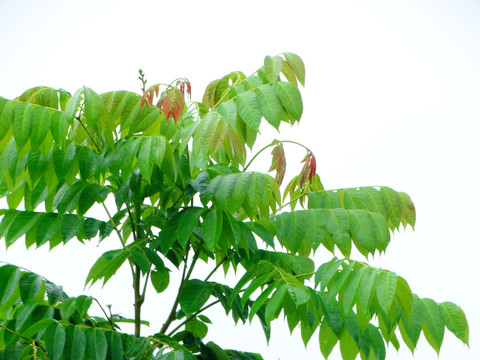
(274, 143)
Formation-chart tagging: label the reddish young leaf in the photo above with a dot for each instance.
(173, 103)
(308, 169)
(279, 163)
(147, 98)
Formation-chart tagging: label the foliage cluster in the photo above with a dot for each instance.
(176, 173)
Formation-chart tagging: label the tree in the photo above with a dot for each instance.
(175, 173)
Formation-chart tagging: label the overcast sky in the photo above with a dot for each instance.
(391, 98)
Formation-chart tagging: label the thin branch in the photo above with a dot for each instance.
(109, 318)
(113, 224)
(217, 266)
(15, 333)
(195, 314)
(171, 316)
(88, 133)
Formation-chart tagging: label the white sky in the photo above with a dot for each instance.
(391, 98)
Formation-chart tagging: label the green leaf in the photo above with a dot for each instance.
(96, 344)
(89, 195)
(9, 278)
(275, 302)
(193, 295)
(433, 327)
(228, 110)
(455, 320)
(93, 106)
(72, 105)
(386, 285)
(338, 225)
(270, 105)
(55, 340)
(21, 225)
(212, 228)
(22, 123)
(392, 201)
(115, 345)
(290, 98)
(352, 289)
(150, 153)
(297, 65)
(197, 328)
(160, 280)
(229, 191)
(82, 304)
(411, 328)
(272, 67)
(30, 286)
(348, 347)
(210, 134)
(249, 109)
(327, 339)
(76, 342)
(106, 266)
(404, 296)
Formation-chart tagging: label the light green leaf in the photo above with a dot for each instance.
(455, 320)
(150, 153)
(22, 123)
(72, 106)
(327, 339)
(297, 65)
(107, 265)
(272, 67)
(229, 191)
(290, 98)
(404, 296)
(93, 107)
(386, 285)
(348, 347)
(353, 289)
(270, 105)
(392, 202)
(249, 109)
(410, 329)
(229, 111)
(433, 327)
(210, 134)
(338, 225)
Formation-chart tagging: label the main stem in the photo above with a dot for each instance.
(138, 296)
(138, 300)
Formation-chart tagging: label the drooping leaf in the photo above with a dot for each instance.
(297, 65)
